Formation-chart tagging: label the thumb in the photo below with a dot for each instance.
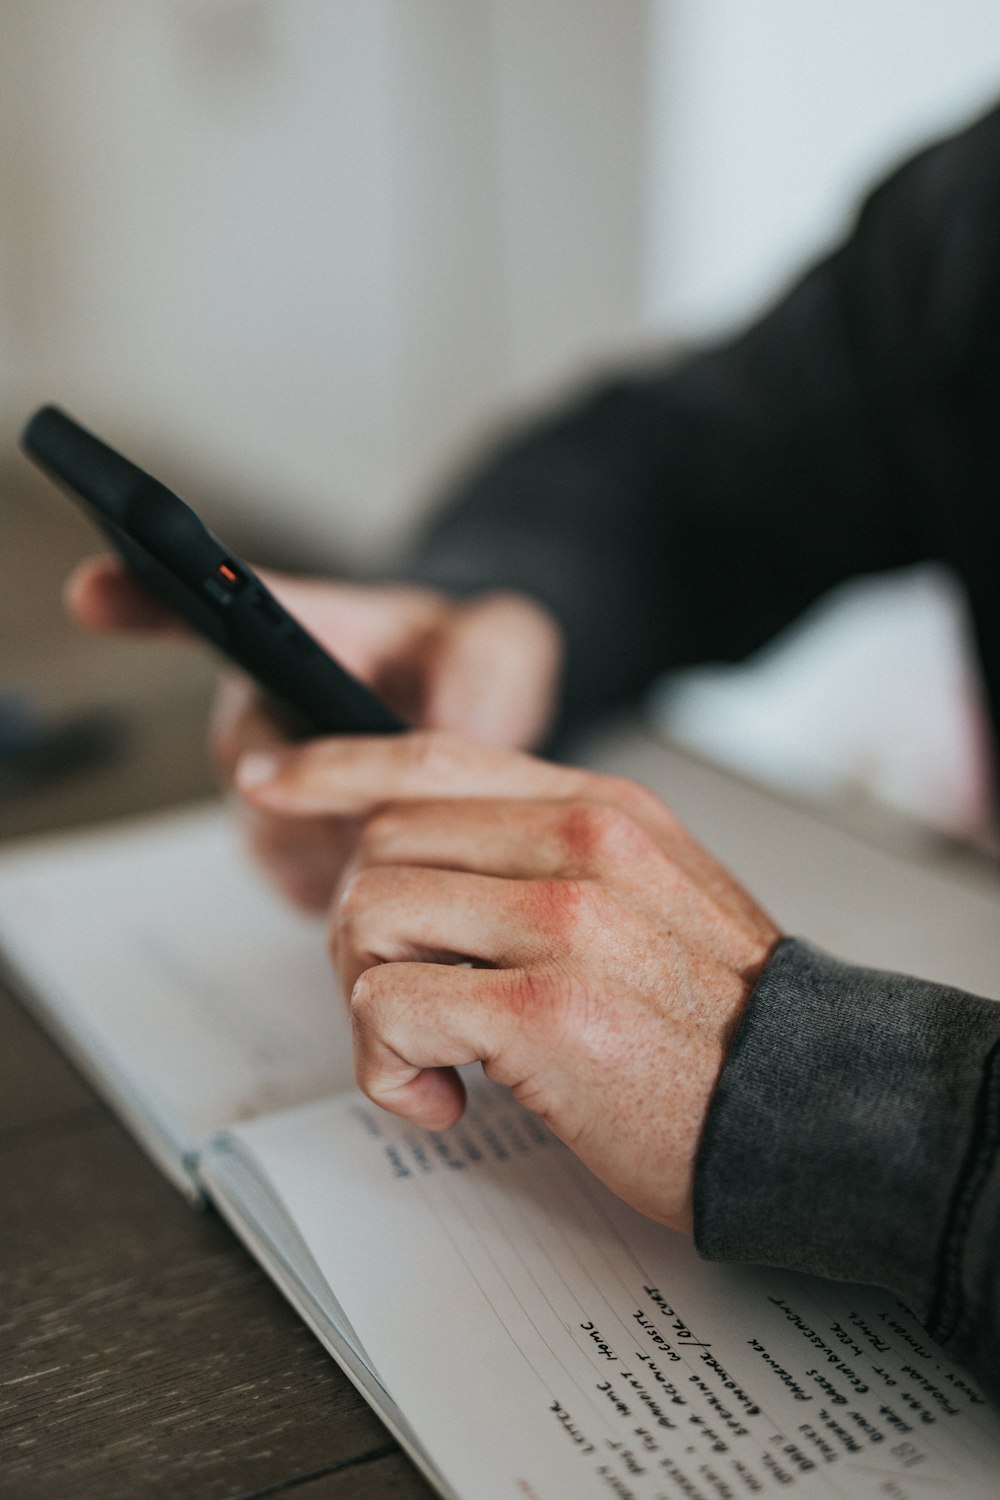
(492, 672)
(103, 596)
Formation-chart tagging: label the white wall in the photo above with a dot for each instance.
(518, 203)
(770, 117)
(307, 246)
(204, 236)
(573, 81)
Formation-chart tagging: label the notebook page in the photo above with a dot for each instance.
(174, 972)
(545, 1341)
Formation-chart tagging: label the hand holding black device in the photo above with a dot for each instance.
(176, 558)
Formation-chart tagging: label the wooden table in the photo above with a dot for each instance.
(142, 1352)
(143, 1355)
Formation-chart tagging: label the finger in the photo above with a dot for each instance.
(526, 839)
(396, 914)
(368, 629)
(414, 1023)
(242, 722)
(352, 775)
(512, 839)
(102, 595)
(492, 672)
(649, 812)
(303, 860)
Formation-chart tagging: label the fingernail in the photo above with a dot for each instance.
(256, 769)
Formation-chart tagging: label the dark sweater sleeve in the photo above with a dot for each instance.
(855, 1134)
(686, 513)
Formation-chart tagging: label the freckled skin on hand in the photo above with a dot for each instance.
(559, 926)
(612, 956)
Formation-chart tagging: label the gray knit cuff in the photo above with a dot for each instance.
(837, 1136)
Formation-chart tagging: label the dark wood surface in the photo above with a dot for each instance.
(142, 1352)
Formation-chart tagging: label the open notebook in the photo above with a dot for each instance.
(520, 1330)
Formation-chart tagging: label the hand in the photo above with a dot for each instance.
(488, 666)
(612, 956)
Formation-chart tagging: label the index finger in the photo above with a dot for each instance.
(102, 595)
(350, 776)
(242, 722)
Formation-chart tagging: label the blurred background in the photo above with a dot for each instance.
(301, 256)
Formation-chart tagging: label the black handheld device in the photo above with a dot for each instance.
(177, 559)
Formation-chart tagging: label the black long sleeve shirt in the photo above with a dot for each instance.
(687, 513)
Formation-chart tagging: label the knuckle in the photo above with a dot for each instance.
(380, 832)
(594, 911)
(595, 833)
(434, 754)
(360, 893)
(571, 911)
(580, 830)
(534, 993)
(365, 997)
(352, 913)
(630, 795)
(554, 1002)
(648, 810)
(363, 1006)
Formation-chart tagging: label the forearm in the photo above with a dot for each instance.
(685, 514)
(566, 512)
(854, 1134)
(688, 512)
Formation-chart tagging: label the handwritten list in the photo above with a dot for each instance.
(547, 1341)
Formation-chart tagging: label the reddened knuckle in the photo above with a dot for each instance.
(596, 912)
(535, 995)
(552, 900)
(598, 833)
(581, 830)
(565, 909)
(550, 1000)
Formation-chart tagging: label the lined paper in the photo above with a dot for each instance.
(546, 1341)
(174, 972)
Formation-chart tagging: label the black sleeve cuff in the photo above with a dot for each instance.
(850, 1133)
